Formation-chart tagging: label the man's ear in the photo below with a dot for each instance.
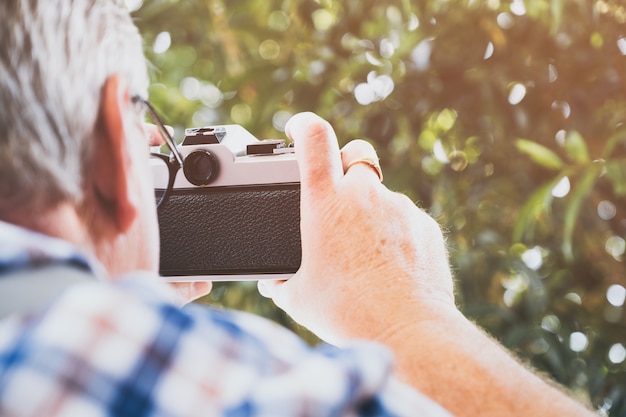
(112, 163)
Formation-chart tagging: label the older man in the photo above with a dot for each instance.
(89, 329)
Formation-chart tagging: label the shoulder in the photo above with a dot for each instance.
(131, 351)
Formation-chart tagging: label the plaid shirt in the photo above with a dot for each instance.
(126, 348)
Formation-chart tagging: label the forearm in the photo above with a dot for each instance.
(458, 365)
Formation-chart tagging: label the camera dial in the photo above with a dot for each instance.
(200, 167)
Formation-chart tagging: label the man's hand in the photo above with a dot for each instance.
(375, 267)
(191, 290)
(155, 138)
(372, 262)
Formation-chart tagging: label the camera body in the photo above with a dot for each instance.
(234, 210)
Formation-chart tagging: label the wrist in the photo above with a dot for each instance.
(393, 321)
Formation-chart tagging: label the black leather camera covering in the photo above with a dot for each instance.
(231, 230)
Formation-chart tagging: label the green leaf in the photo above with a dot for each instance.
(616, 173)
(616, 138)
(579, 193)
(556, 7)
(539, 154)
(538, 203)
(576, 147)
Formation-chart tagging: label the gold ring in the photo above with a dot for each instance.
(371, 162)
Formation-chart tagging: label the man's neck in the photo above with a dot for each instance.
(62, 222)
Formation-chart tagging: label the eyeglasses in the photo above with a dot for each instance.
(164, 167)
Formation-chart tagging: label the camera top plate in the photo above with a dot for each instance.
(230, 144)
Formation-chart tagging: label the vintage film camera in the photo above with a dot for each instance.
(234, 209)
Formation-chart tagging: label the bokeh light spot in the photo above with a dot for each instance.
(387, 48)
(578, 342)
(563, 107)
(446, 119)
(574, 298)
(279, 21)
(205, 116)
(414, 23)
(533, 258)
(431, 166)
(488, 51)
(562, 188)
(616, 295)
(440, 152)
(517, 94)
(420, 55)
(269, 49)
(560, 137)
(210, 95)
(190, 88)
(280, 118)
(517, 8)
(551, 323)
(617, 353)
(323, 20)
(162, 43)
(615, 246)
(505, 20)
(364, 94)
(241, 113)
(606, 210)
(458, 160)
(377, 88)
(621, 45)
(553, 73)
(596, 40)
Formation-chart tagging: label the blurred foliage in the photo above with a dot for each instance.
(503, 118)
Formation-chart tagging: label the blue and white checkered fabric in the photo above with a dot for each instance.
(126, 349)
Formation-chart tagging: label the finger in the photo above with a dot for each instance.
(317, 151)
(360, 156)
(191, 291)
(264, 289)
(276, 290)
(155, 137)
(268, 288)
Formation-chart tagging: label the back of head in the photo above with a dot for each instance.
(55, 56)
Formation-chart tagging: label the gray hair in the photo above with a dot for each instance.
(55, 57)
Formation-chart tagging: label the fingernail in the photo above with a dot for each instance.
(297, 124)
